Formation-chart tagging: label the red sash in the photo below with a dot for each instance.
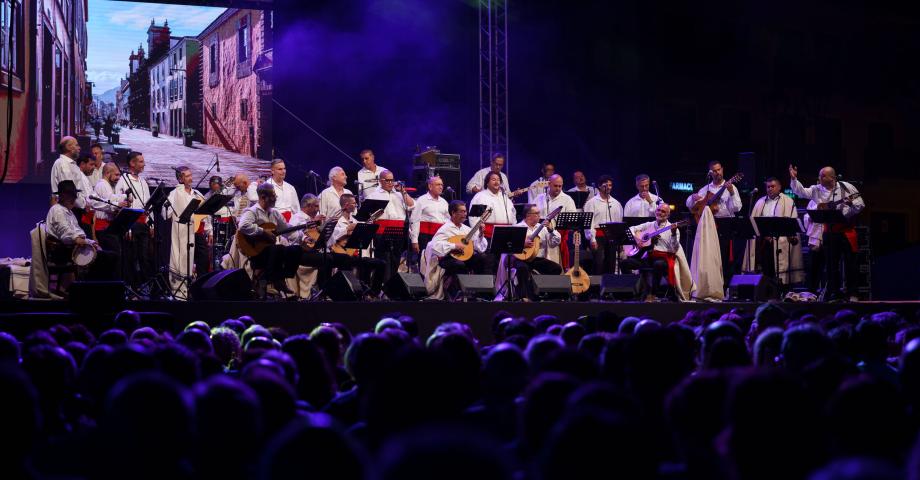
(489, 228)
(564, 248)
(848, 231)
(287, 215)
(142, 219)
(87, 218)
(384, 224)
(101, 224)
(429, 228)
(599, 233)
(668, 257)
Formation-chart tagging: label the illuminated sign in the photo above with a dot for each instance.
(682, 186)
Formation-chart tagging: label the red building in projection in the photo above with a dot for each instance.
(235, 82)
(51, 97)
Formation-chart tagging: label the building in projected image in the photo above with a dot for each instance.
(51, 97)
(235, 82)
(173, 105)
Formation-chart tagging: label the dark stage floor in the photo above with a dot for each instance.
(298, 317)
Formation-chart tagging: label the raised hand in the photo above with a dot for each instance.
(793, 172)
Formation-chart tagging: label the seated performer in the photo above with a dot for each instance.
(604, 209)
(645, 202)
(429, 214)
(761, 254)
(475, 185)
(662, 256)
(540, 264)
(65, 234)
(839, 241)
(394, 217)
(183, 241)
(437, 260)
(275, 262)
(371, 270)
(306, 277)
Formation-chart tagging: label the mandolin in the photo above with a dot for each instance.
(646, 241)
(339, 246)
(254, 245)
(529, 253)
(467, 240)
(581, 282)
(832, 205)
(711, 200)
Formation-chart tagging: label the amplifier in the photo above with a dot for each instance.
(436, 159)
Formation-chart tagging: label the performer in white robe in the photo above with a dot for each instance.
(181, 255)
(788, 252)
(437, 261)
(665, 258)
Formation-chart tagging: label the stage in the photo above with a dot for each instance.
(21, 316)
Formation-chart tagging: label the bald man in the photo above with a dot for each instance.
(839, 241)
(106, 211)
(546, 203)
(65, 168)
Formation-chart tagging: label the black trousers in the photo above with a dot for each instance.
(112, 243)
(137, 256)
(479, 263)
(728, 264)
(836, 250)
(524, 273)
(389, 252)
(202, 254)
(605, 257)
(815, 269)
(659, 269)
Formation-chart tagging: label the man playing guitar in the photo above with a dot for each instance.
(727, 205)
(539, 263)
(371, 270)
(659, 252)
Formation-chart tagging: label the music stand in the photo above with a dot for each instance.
(519, 211)
(735, 227)
(368, 207)
(122, 222)
(580, 198)
(361, 236)
(574, 220)
(157, 198)
(776, 227)
(476, 210)
(213, 204)
(617, 233)
(827, 217)
(507, 239)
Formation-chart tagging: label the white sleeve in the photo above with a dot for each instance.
(248, 224)
(440, 244)
(858, 203)
(734, 200)
(476, 180)
(801, 190)
(589, 233)
(415, 222)
(701, 193)
(555, 239)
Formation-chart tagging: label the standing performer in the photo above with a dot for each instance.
(429, 214)
(839, 241)
(85, 214)
(604, 209)
(761, 254)
(371, 270)
(98, 158)
(644, 203)
(330, 197)
(66, 168)
(815, 233)
(244, 195)
(437, 260)
(581, 185)
(539, 264)
(182, 246)
(368, 177)
(475, 185)
(494, 197)
(138, 260)
(727, 206)
(394, 216)
(540, 185)
(106, 212)
(546, 203)
(288, 202)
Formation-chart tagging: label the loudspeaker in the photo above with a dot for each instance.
(196, 289)
(619, 287)
(405, 286)
(233, 284)
(752, 287)
(480, 286)
(344, 286)
(552, 286)
(97, 297)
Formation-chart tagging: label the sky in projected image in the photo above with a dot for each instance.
(115, 29)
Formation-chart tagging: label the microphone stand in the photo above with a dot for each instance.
(207, 172)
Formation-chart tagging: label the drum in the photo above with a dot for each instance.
(84, 255)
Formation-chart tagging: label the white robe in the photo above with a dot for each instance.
(437, 248)
(181, 258)
(682, 274)
(790, 256)
(706, 264)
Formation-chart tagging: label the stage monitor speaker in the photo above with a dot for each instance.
(405, 286)
(344, 286)
(97, 297)
(758, 288)
(477, 286)
(619, 287)
(232, 284)
(196, 289)
(552, 286)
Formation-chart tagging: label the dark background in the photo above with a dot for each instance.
(607, 87)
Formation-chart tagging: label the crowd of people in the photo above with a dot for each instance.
(741, 395)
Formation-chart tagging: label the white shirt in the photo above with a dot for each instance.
(65, 168)
(604, 211)
(562, 200)
(480, 177)
(301, 218)
(179, 199)
(96, 175)
(441, 245)
(395, 210)
(547, 239)
(668, 241)
(502, 208)
(592, 192)
(534, 190)
(341, 228)
(106, 191)
(61, 223)
(329, 201)
(640, 207)
(369, 180)
(729, 203)
(820, 194)
(427, 209)
(254, 216)
(140, 187)
(287, 201)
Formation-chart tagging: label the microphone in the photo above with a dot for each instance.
(313, 174)
(754, 190)
(449, 189)
(217, 159)
(93, 197)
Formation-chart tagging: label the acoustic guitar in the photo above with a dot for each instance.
(339, 246)
(254, 245)
(711, 200)
(832, 205)
(529, 253)
(467, 240)
(646, 241)
(581, 282)
(312, 233)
